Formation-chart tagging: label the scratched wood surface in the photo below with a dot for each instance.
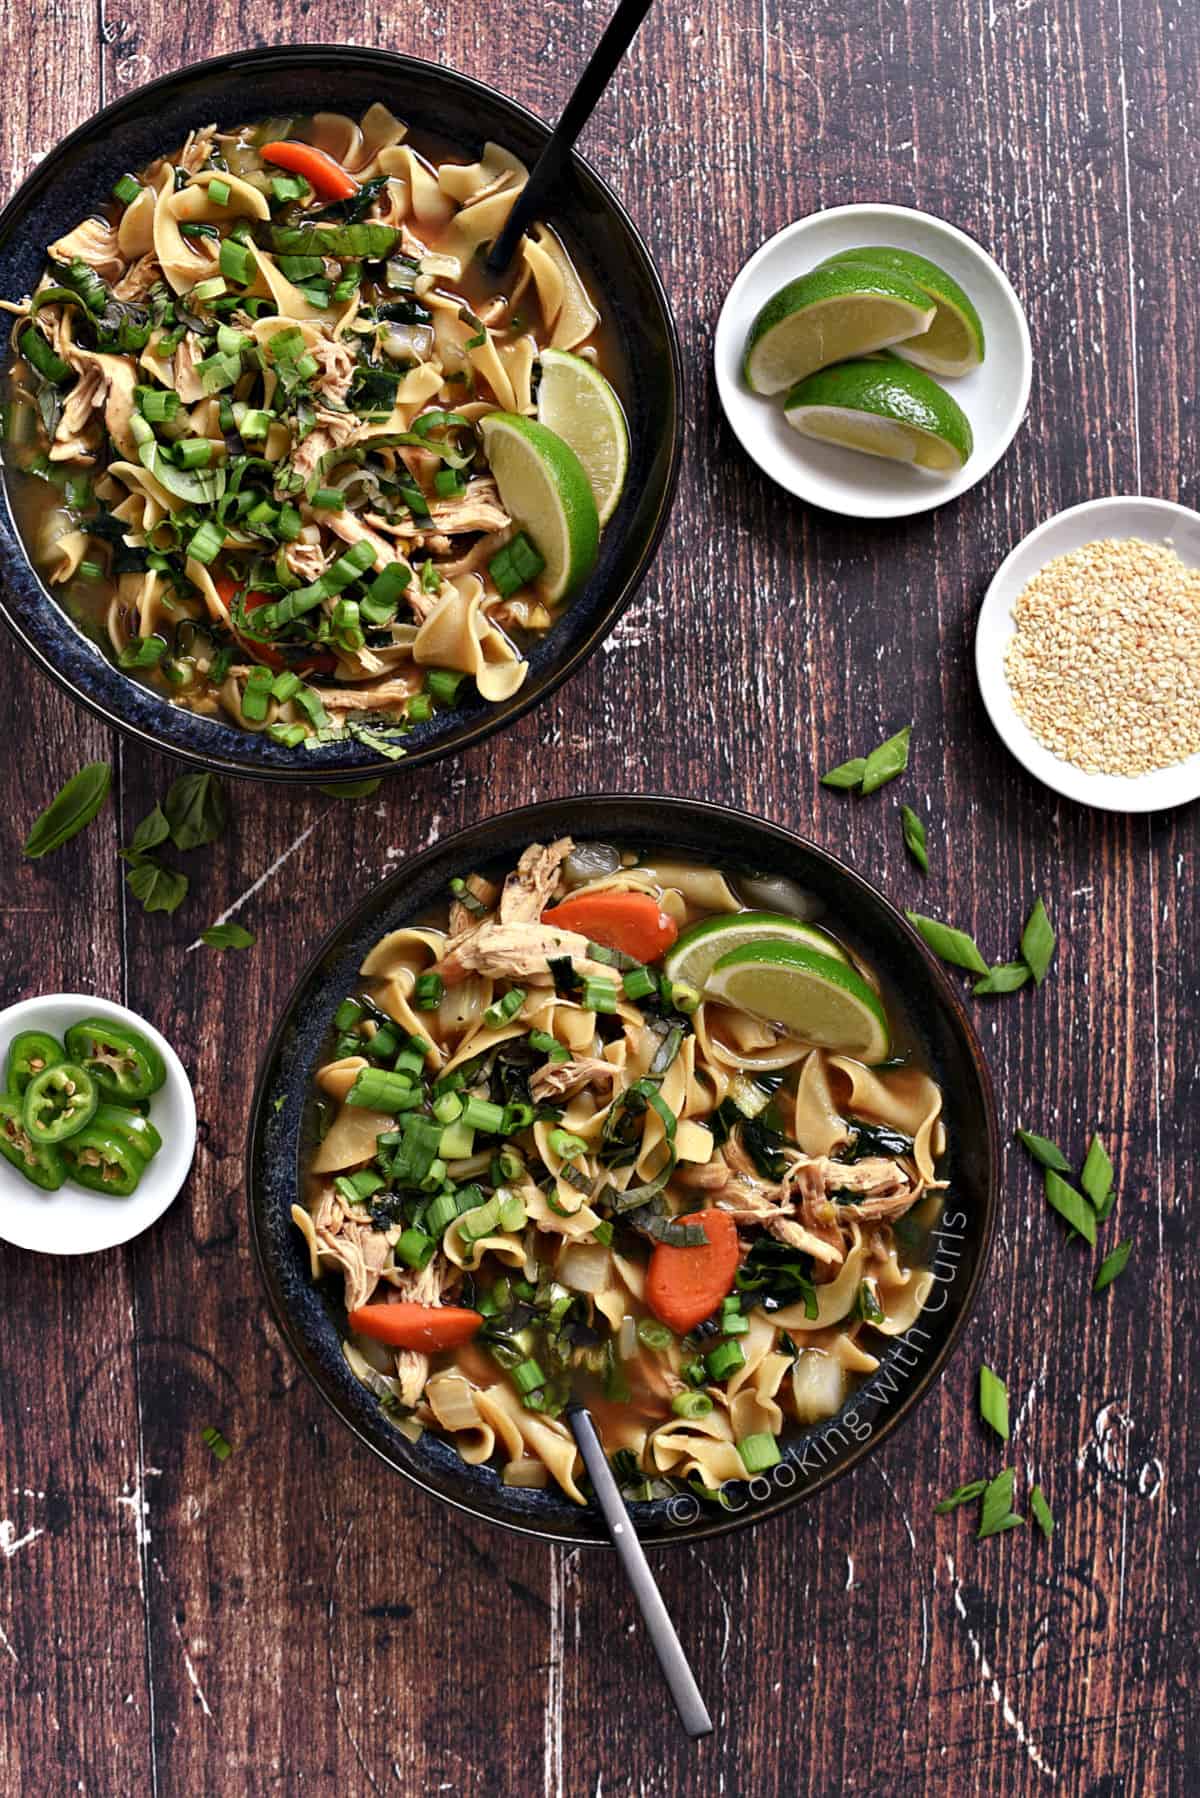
(299, 1621)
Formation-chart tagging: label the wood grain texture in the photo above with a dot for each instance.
(297, 1621)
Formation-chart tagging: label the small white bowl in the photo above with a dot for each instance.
(73, 1221)
(1154, 521)
(994, 397)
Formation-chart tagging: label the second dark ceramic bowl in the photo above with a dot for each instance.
(311, 1317)
(78, 176)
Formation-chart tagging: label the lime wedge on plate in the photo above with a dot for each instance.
(545, 491)
(828, 315)
(884, 408)
(953, 344)
(575, 400)
(810, 995)
(697, 951)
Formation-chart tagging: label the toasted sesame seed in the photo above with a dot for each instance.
(1104, 665)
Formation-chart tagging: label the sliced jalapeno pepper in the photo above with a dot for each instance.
(123, 1063)
(28, 1054)
(102, 1161)
(41, 1165)
(132, 1128)
(58, 1102)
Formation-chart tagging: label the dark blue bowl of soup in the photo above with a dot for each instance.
(460, 115)
(919, 996)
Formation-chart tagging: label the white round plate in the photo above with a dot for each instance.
(73, 1221)
(1154, 521)
(994, 397)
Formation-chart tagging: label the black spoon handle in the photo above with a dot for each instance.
(671, 1658)
(619, 33)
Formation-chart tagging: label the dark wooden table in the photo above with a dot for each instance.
(297, 1619)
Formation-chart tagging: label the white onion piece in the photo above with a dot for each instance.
(775, 892)
(818, 1385)
(590, 861)
(627, 1342)
(405, 343)
(584, 1267)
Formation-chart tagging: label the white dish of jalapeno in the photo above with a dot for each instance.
(97, 1124)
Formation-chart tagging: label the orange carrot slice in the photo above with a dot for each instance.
(634, 923)
(684, 1286)
(426, 1327)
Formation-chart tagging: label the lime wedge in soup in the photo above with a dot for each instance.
(697, 950)
(953, 344)
(544, 489)
(577, 402)
(828, 315)
(813, 997)
(883, 408)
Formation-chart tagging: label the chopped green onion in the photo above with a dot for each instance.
(414, 1248)
(206, 543)
(638, 983)
(654, 1335)
(1112, 1266)
(1096, 1178)
(90, 571)
(1043, 1515)
(219, 192)
(952, 945)
(962, 1495)
(37, 350)
(481, 1114)
(566, 1145)
(1070, 1205)
(377, 1089)
(327, 499)
(449, 483)
(528, 1376)
(993, 1401)
(348, 1014)
(913, 831)
(758, 1451)
(237, 262)
(158, 405)
(213, 1439)
(427, 992)
(598, 994)
(442, 1212)
(1037, 941)
(506, 1008)
(143, 652)
(126, 190)
(998, 1513)
(1044, 1151)
(443, 684)
(209, 290)
(548, 1046)
(725, 1359)
(194, 452)
(691, 1404)
(447, 1107)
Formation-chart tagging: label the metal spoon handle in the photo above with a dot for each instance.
(671, 1658)
(618, 34)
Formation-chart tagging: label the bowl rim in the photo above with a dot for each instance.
(313, 773)
(713, 813)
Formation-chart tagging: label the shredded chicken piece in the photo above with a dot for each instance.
(188, 352)
(888, 1205)
(327, 1213)
(337, 365)
(306, 560)
(517, 952)
(873, 1174)
(531, 884)
(362, 1253)
(93, 242)
(563, 1079)
(797, 1237)
(478, 509)
(76, 434)
(704, 1176)
(138, 278)
(333, 430)
(198, 148)
(351, 529)
(368, 699)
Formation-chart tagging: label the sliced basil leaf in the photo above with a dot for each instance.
(227, 936)
(158, 887)
(195, 810)
(70, 811)
(1006, 977)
